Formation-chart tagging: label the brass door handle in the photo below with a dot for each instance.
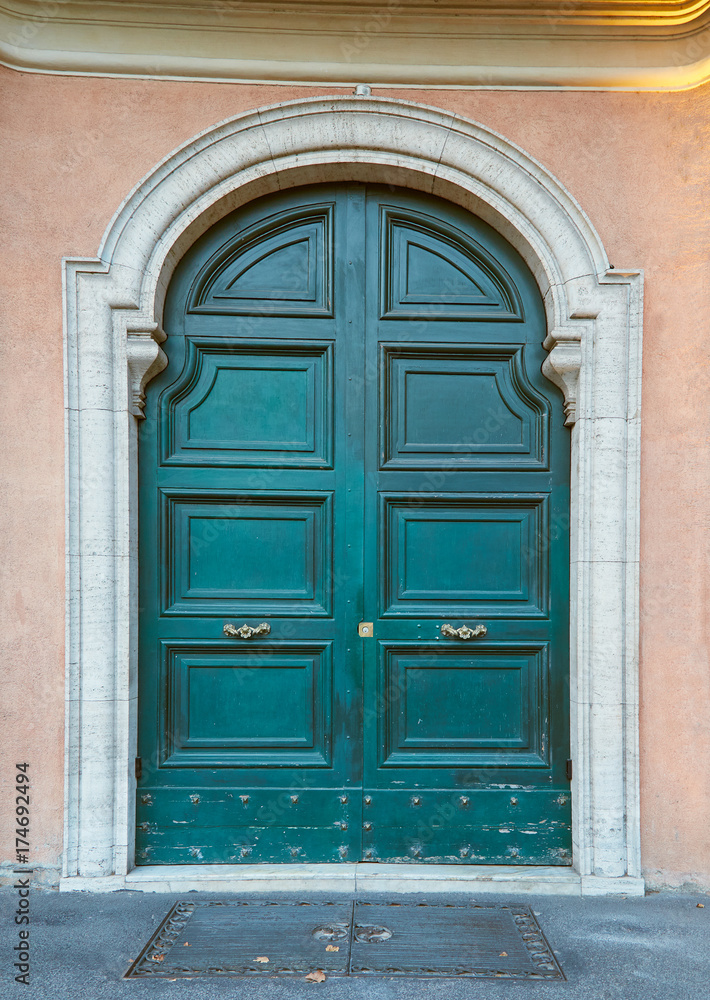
(464, 632)
(246, 631)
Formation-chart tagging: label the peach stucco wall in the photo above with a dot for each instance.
(71, 150)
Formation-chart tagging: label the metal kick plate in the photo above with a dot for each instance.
(351, 938)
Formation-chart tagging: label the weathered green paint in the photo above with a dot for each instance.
(353, 425)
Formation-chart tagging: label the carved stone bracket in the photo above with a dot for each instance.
(145, 361)
(562, 366)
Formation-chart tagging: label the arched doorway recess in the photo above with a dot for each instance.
(114, 316)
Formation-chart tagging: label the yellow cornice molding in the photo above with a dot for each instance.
(602, 12)
(596, 44)
(470, 15)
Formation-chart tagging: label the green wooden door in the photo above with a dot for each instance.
(353, 428)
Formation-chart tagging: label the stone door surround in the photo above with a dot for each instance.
(112, 342)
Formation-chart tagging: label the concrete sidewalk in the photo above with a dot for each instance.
(655, 948)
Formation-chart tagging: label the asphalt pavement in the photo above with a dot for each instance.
(81, 944)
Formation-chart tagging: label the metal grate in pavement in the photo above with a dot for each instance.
(352, 938)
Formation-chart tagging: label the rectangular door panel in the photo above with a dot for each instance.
(249, 553)
(464, 555)
(268, 705)
(454, 706)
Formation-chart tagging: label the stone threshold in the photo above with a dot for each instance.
(359, 878)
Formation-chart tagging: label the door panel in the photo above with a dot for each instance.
(465, 524)
(475, 826)
(251, 747)
(205, 683)
(434, 270)
(353, 425)
(216, 543)
(280, 265)
(220, 412)
(460, 708)
(470, 555)
(468, 406)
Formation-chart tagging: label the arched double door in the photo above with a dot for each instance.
(354, 559)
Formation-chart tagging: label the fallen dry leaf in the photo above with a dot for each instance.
(261, 958)
(186, 945)
(316, 977)
(332, 947)
(503, 954)
(157, 958)
(701, 906)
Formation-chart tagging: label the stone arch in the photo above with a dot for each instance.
(113, 335)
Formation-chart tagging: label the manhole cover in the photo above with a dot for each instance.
(278, 938)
